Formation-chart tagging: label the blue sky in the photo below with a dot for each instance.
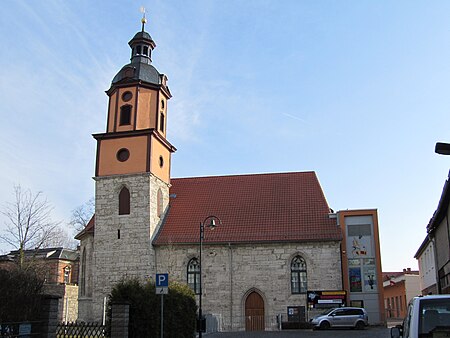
(354, 90)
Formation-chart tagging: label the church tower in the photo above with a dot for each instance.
(132, 175)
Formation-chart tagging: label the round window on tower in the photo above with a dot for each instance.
(161, 161)
(127, 96)
(123, 155)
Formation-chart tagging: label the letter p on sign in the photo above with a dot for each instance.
(162, 280)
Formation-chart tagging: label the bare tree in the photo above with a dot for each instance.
(62, 237)
(82, 214)
(29, 224)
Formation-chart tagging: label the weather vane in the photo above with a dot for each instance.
(143, 20)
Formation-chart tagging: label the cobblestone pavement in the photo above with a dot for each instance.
(371, 332)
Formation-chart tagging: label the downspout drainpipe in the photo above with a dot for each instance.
(436, 269)
(230, 256)
(448, 233)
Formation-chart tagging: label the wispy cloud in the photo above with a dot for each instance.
(53, 100)
(294, 117)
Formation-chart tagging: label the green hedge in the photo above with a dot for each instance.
(145, 309)
(20, 295)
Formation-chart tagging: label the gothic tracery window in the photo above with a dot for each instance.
(298, 275)
(193, 275)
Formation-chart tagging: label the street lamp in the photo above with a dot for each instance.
(212, 225)
(442, 148)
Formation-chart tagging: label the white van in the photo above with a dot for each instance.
(426, 317)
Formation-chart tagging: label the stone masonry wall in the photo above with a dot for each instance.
(131, 255)
(231, 272)
(85, 288)
(68, 302)
(71, 303)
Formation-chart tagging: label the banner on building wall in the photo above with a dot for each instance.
(355, 279)
(370, 279)
(362, 275)
(326, 299)
(360, 241)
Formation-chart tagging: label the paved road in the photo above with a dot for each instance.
(372, 332)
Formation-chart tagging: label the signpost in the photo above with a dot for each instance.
(162, 283)
(162, 288)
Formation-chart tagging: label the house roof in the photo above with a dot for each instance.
(422, 247)
(397, 274)
(281, 207)
(89, 228)
(48, 253)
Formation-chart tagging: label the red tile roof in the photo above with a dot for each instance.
(285, 207)
(88, 229)
(391, 275)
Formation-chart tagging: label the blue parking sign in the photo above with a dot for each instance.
(162, 280)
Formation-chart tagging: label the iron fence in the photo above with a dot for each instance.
(81, 330)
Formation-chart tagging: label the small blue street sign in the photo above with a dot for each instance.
(162, 280)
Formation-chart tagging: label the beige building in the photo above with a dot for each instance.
(276, 243)
(427, 267)
(399, 289)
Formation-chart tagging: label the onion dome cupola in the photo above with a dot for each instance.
(140, 67)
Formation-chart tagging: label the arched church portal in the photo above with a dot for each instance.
(254, 312)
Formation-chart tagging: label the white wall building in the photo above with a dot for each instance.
(427, 267)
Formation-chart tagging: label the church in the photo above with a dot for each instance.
(257, 249)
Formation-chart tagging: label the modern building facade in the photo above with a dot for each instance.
(361, 261)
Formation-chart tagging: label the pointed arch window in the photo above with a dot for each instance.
(193, 275)
(160, 207)
(83, 273)
(124, 201)
(298, 275)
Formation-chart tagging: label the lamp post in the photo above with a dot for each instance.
(442, 148)
(212, 225)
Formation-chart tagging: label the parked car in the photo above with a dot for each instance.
(341, 317)
(426, 316)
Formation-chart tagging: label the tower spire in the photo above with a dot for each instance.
(143, 20)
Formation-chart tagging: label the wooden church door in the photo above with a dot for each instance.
(254, 312)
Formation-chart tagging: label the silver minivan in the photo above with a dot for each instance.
(341, 317)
